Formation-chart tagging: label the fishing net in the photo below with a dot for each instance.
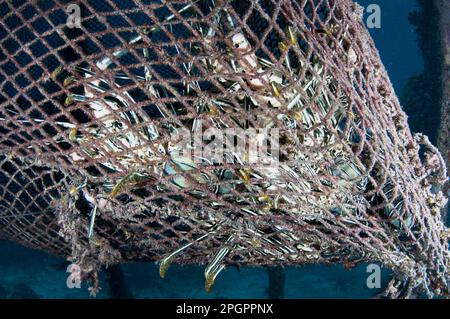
(112, 143)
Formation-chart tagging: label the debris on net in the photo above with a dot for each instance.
(96, 167)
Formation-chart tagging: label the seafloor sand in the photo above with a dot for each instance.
(444, 132)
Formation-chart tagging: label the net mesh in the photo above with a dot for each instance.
(92, 116)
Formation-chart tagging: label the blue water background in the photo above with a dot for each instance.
(28, 273)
